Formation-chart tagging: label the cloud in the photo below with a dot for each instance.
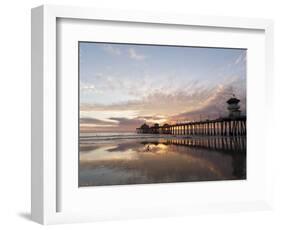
(89, 124)
(116, 124)
(134, 55)
(111, 49)
(154, 117)
(90, 120)
(214, 107)
(88, 87)
(168, 105)
(163, 106)
(159, 104)
(241, 58)
(138, 86)
(127, 122)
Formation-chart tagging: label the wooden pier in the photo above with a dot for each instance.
(218, 127)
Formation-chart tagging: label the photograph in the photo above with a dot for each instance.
(155, 113)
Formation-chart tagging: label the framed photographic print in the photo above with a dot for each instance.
(159, 114)
(137, 114)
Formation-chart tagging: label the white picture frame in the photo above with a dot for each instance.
(46, 183)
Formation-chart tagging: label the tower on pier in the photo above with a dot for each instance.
(233, 107)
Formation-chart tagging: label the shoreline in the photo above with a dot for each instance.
(137, 137)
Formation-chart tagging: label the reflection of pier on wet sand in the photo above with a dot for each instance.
(234, 147)
(227, 145)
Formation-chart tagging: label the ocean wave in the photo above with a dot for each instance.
(87, 139)
(113, 137)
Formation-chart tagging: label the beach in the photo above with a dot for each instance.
(130, 158)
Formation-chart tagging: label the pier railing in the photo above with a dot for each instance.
(217, 127)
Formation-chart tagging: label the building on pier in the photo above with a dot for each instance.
(143, 129)
(155, 128)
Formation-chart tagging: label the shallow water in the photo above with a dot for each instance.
(160, 159)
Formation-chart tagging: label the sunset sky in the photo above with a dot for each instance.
(122, 86)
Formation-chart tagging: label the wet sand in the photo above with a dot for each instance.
(160, 160)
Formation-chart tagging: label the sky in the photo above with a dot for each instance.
(124, 85)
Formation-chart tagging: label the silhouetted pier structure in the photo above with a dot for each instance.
(233, 125)
(217, 127)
